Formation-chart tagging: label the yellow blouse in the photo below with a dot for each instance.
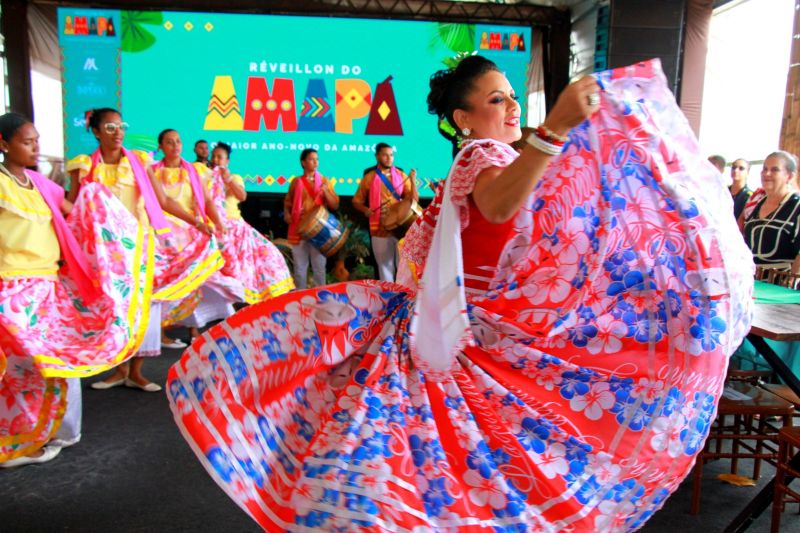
(118, 178)
(28, 243)
(177, 186)
(231, 202)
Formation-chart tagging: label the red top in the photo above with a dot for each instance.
(482, 243)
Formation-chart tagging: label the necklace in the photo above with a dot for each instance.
(25, 184)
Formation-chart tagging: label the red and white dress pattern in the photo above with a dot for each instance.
(595, 355)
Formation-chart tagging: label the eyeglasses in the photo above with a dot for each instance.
(738, 167)
(111, 127)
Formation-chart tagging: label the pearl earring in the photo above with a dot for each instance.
(466, 132)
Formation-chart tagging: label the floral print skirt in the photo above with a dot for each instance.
(598, 356)
(47, 332)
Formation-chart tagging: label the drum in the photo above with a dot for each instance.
(400, 216)
(324, 231)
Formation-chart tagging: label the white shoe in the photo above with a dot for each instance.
(149, 387)
(48, 453)
(176, 343)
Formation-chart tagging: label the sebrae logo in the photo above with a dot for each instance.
(354, 99)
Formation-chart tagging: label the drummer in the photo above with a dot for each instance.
(381, 188)
(306, 194)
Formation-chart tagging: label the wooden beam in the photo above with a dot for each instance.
(491, 13)
(14, 27)
(790, 127)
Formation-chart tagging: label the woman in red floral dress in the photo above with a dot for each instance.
(558, 366)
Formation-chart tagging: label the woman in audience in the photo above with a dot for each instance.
(772, 227)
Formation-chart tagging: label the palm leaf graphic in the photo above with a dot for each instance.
(135, 38)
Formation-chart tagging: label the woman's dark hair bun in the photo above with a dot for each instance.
(450, 88)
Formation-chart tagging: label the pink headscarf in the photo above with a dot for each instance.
(297, 202)
(151, 205)
(194, 180)
(77, 262)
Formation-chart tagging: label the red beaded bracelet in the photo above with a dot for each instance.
(546, 134)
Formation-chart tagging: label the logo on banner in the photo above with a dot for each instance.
(89, 26)
(354, 100)
(514, 42)
(90, 64)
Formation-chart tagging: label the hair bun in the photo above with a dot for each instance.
(437, 97)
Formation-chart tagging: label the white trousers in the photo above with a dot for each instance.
(303, 253)
(385, 250)
(212, 306)
(151, 344)
(70, 429)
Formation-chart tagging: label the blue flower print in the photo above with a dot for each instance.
(272, 347)
(533, 435)
(482, 460)
(199, 387)
(304, 429)
(587, 490)
(618, 264)
(234, 359)
(707, 330)
(178, 391)
(311, 346)
(250, 470)
(270, 437)
(279, 317)
(436, 497)
(573, 383)
(221, 463)
(372, 447)
(581, 334)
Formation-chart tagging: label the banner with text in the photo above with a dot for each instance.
(271, 86)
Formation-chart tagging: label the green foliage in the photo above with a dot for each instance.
(139, 141)
(363, 271)
(135, 38)
(358, 244)
(453, 36)
(128, 243)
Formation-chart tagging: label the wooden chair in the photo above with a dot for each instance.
(788, 441)
(752, 433)
(785, 278)
(764, 274)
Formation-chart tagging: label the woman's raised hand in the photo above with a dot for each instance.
(575, 104)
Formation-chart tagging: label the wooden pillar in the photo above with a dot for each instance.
(14, 26)
(790, 127)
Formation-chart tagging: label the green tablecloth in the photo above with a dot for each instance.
(768, 293)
